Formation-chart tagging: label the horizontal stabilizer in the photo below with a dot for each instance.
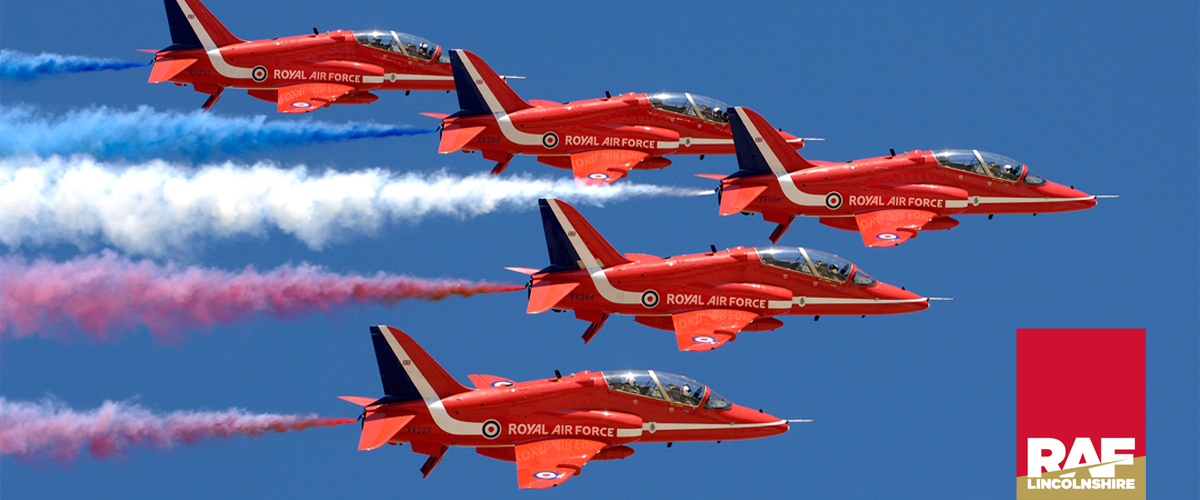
(715, 177)
(455, 137)
(379, 427)
(166, 69)
(544, 295)
(439, 116)
(735, 197)
(523, 270)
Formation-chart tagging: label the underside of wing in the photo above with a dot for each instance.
(604, 166)
(888, 228)
(708, 329)
(305, 97)
(547, 463)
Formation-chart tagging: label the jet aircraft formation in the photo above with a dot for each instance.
(551, 428)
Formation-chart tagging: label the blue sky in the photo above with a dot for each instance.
(1099, 95)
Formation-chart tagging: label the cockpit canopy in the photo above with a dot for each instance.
(695, 106)
(984, 163)
(399, 43)
(665, 386)
(814, 263)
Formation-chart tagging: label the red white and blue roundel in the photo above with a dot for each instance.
(259, 74)
(547, 475)
(887, 236)
(650, 299)
(833, 200)
(704, 339)
(599, 176)
(550, 140)
(302, 104)
(491, 429)
(502, 383)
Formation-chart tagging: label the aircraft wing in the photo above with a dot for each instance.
(488, 381)
(550, 462)
(603, 166)
(305, 97)
(888, 228)
(708, 329)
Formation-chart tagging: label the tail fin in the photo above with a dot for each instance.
(481, 90)
(409, 373)
(573, 243)
(760, 148)
(193, 26)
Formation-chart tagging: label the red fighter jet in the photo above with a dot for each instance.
(299, 73)
(599, 140)
(706, 299)
(886, 199)
(552, 427)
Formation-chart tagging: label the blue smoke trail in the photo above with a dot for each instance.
(145, 133)
(24, 67)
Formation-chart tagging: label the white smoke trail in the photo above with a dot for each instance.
(156, 207)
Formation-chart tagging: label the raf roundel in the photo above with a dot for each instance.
(833, 200)
(491, 429)
(598, 176)
(650, 299)
(502, 383)
(259, 74)
(704, 339)
(547, 475)
(550, 140)
(302, 104)
(887, 236)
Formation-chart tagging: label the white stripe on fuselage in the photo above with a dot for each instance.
(599, 279)
(436, 409)
(506, 127)
(827, 301)
(214, 53)
(667, 426)
(793, 193)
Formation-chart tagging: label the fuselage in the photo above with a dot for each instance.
(769, 282)
(581, 405)
(334, 57)
(636, 122)
(916, 180)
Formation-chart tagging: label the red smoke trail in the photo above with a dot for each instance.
(99, 294)
(51, 430)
